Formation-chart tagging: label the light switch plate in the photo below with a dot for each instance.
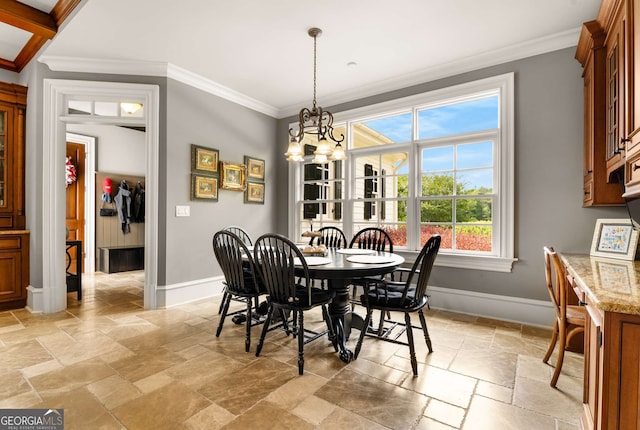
(183, 211)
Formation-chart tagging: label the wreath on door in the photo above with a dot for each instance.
(70, 172)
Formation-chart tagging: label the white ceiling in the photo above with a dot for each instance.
(261, 49)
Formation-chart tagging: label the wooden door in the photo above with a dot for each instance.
(75, 197)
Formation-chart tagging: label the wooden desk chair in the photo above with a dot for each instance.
(402, 296)
(569, 318)
(279, 260)
(241, 282)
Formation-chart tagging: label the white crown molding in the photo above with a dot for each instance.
(518, 51)
(97, 65)
(150, 68)
(209, 86)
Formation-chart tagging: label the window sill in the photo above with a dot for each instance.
(473, 262)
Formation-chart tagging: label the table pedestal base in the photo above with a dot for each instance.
(341, 319)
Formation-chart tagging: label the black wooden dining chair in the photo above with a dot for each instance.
(369, 238)
(331, 237)
(406, 297)
(241, 233)
(246, 239)
(241, 280)
(280, 262)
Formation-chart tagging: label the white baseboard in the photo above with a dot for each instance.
(35, 300)
(186, 292)
(524, 311)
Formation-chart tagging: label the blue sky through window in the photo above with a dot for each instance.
(464, 117)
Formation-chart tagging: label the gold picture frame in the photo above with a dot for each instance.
(254, 193)
(233, 176)
(255, 168)
(204, 187)
(204, 160)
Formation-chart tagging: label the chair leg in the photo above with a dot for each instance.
(247, 337)
(265, 328)
(381, 324)
(412, 347)
(224, 297)
(332, 336)
(552, 345)
(225, 309)
(363, 332)
(563, 343)
(425, 330)
(300, 342)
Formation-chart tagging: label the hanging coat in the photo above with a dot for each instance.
(123, 204)
(138, 203)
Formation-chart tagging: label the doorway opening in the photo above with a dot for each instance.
(58, 112)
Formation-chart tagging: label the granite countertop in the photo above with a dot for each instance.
(13, 232)
(612, 285)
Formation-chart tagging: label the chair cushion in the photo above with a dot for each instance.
(248, 281)
(318, 296)
(391, 297)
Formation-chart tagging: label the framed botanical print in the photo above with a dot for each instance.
(255, 168)
(204, 160)
(254, 193)
(204, 187)
(233, 176)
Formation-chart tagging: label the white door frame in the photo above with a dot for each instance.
(89, 142)
(53, 294)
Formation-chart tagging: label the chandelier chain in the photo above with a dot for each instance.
(315, 39)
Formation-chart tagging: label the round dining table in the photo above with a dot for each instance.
(338, 267)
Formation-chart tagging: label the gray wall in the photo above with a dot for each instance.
(194, 117)
(118, 149)
(548, 171)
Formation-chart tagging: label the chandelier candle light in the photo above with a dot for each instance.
(315, 121)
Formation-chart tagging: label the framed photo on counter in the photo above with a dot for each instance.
(614, 238)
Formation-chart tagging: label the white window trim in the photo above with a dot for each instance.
(505, 167)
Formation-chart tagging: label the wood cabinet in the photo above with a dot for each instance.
(591, 53)
(14, 239)
(611, 398)
(612, 101)
(14, 268)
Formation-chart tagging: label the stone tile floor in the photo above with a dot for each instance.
(113, 365)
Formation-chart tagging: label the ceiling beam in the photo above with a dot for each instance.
(41, 25)
(28, 18)
(62, 9)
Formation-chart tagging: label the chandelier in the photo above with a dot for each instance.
(315, 121)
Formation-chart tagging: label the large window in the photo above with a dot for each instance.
(434, 163)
